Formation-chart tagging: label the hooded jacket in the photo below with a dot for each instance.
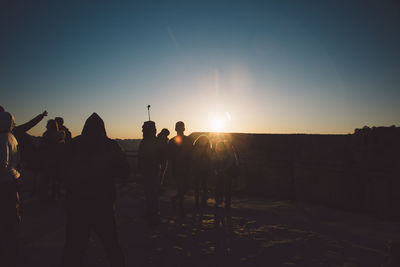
(94, 162)
(9, 154)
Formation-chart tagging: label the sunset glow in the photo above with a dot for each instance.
(268, 64)
(217, 125)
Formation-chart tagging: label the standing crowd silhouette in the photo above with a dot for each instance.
(84, 170)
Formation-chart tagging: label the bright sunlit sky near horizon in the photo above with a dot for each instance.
(255, 67)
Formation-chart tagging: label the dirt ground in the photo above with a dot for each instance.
(257, 232)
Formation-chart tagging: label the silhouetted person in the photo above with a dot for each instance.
(201, 169)
(9, 159)
(29, 153)
(226, 167)
(163, 135)
(52, 143)
(62, 127)
(94, 161)
(180, 148)
(149, 165)
(23, 128)
(163, 139)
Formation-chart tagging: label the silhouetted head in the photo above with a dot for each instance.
(52, 125)
(164, 133)
(1, 109)
(149, 129)
(7, 122)
(202, 142)
(60, 121)
(179, 127)
(94, 127)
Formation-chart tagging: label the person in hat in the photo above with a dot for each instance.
(149, 166)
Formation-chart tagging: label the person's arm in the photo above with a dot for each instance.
(30, 124)
(68, 135)
(164, 172)
(164, 161)
(3, 158)
(235, 155)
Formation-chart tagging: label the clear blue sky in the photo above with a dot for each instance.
(282, 67)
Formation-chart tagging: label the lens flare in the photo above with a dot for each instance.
(228, 116)
(217, 125)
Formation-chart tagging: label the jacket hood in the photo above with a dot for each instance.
(94, 127)
(7, 122)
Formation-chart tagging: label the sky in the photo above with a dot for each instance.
(324, 67)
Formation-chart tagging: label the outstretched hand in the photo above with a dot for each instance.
(45, 113)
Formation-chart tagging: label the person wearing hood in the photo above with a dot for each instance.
(93, 162)
(9, 177)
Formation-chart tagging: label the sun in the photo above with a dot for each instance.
(217, 125)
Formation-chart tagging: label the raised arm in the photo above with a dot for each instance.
(30, 124)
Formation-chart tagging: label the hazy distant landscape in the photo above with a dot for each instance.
(355, 172)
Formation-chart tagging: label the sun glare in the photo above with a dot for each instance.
(217, 125)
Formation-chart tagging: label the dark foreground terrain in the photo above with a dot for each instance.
(258, 233)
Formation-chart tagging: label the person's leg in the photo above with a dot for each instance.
(105, 227)
(152, 198)
(175, 197)
(204, 188)
(228, 191)
(147, 197)
(196, 184)
(219, 188)
(53, 187)
(76, 236)
(8, 243)
(8, 239)
(181, 194)
(156, 191)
